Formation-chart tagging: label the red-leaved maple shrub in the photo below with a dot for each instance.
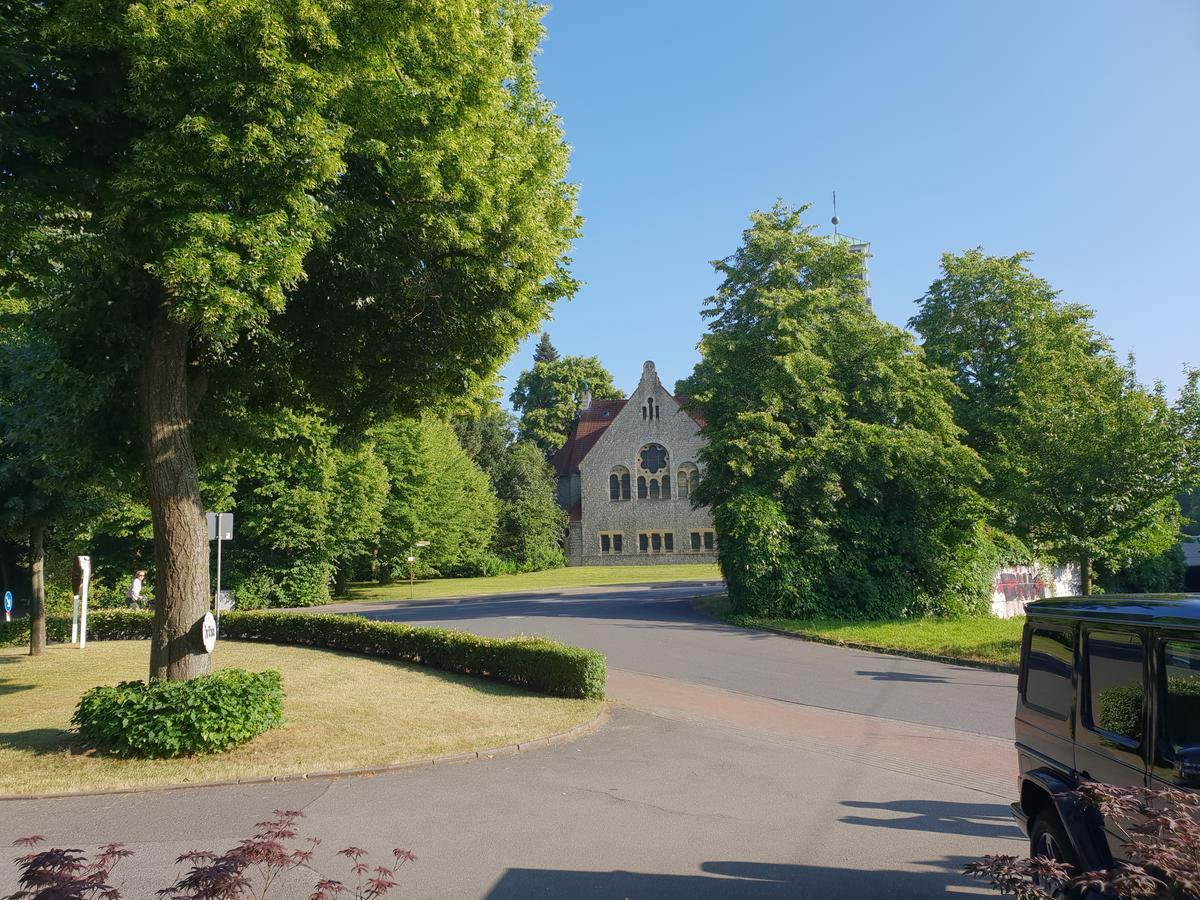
(1161, 831)
(248, 871)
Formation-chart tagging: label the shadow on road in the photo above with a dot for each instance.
(990, 820)
(904, 676)
(724, 878)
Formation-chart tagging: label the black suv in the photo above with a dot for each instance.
(1109, 691)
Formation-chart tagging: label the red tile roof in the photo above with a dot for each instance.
(592, 423)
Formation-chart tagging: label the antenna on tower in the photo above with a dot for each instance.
(835, 218)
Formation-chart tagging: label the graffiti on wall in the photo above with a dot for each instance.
(1014, 586)
(1020, 585)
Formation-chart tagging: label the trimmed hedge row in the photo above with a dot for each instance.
(162, 719)
(529, 662)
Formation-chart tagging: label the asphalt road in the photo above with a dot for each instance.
(733, 765)
(653, 629)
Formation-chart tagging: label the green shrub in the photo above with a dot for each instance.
(208, 714)
(534, 663)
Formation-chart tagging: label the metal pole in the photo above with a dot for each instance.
(410, 574)
(218, 600)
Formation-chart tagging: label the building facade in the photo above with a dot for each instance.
(626, 475)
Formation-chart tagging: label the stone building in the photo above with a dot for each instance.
(625, 477)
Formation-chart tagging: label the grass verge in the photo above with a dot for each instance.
(980, 640)
(341, 711)
(570, 576)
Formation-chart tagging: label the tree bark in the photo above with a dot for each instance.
(341, 581)
(1085, 575)
(37, 600)
(180, 533)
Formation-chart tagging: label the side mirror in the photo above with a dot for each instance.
(1188, 772)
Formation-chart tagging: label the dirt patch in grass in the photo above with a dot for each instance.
(342, 711)
(982, 640)
(571, 576)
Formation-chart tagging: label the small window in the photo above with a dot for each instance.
(614, 486)
(666, 488)
(605, 544)
(625, 486)
(683, 485)
(669, 542)
(642, 487)
(643, 542)
(1115, 686)
(695, 540)
(1181, 710)
(617, 540)
(709, 541)
(653, 488)
(1048, 671)
(656, 541)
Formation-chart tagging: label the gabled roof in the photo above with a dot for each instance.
(592, 423)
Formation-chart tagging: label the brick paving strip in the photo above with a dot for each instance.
(980, 762)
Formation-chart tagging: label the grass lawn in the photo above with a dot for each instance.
(984, 639)
(569, 576)
(341, 712)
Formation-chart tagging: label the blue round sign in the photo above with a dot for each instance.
(8, 601)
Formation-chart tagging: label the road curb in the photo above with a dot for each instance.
(871, 648)
(563, 737)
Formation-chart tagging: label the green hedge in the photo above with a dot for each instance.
(209, 714)
(533, 663)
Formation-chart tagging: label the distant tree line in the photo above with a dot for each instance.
(855, 472)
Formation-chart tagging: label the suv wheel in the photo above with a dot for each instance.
(1048, 838)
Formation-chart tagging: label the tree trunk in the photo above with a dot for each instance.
(37, 600)
(1085, 575)
(180, 533)
(341, 581)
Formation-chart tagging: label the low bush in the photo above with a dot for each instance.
(534, 663)
(208, 714)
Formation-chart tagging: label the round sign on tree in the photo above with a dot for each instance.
(208, 632)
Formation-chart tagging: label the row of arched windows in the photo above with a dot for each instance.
(653, 477)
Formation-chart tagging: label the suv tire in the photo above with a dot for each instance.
(1048, 838)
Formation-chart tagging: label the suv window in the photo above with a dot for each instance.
(1181, 711)
(1048, 672)
(1115, 688)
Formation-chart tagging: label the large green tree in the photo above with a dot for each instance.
(435, 494)
(833, 464)
(1084, 462)
(360, 207)
(531, 523)
(548, 397)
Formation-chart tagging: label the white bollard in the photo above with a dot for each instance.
(75, 619)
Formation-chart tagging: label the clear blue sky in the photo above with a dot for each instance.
(1071, 129)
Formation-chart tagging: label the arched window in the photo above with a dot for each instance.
(689, 477)
(654, 471)
(618, 483)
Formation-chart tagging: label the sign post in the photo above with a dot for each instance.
(8, 606)
(220, 528)
(81, 572)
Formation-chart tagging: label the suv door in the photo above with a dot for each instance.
(1177, 696)
(1111, 740)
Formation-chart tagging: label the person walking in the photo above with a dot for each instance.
(133, 596)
